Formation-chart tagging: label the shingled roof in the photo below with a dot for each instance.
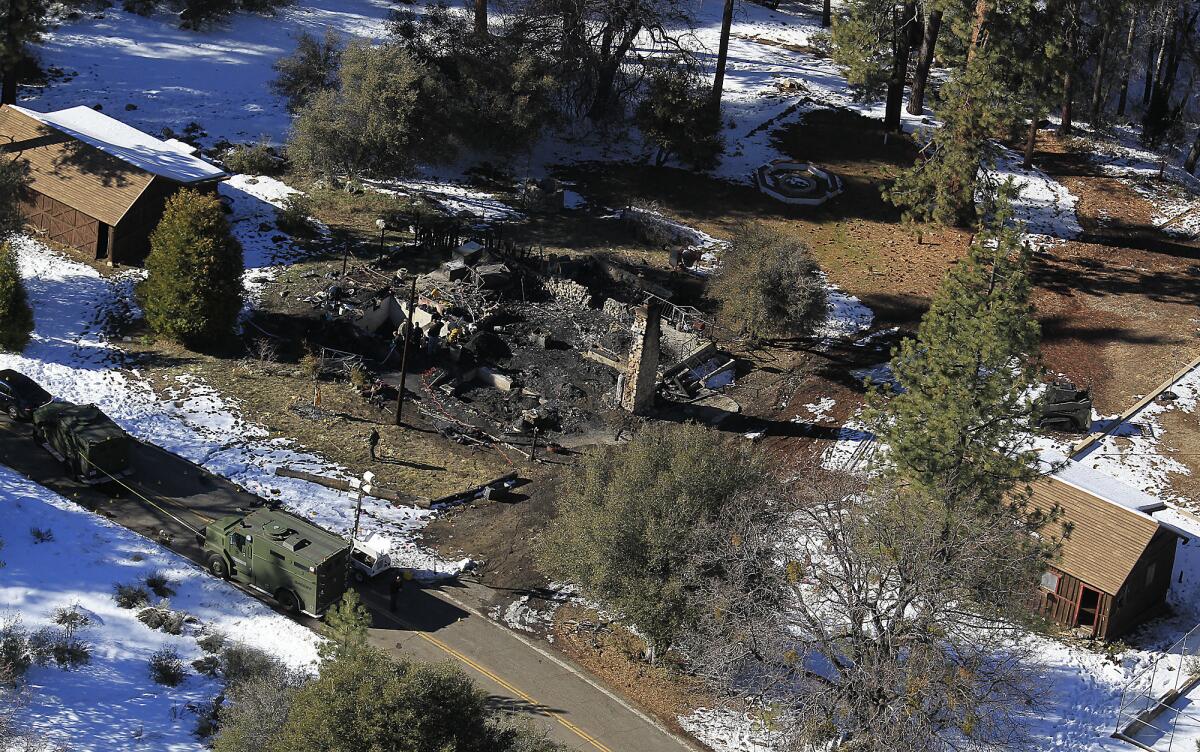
(93, 163)
(1107, 537)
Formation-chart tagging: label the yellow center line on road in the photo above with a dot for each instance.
(506, 685)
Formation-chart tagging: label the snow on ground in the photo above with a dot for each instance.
(847, 316)
(1120, 154)
(1043, 205)
(727, 730)
(1134, 453)
(817, 411)
(453, 198)
(112, 703)
(217, 78)
(253, 201)
(70, 355)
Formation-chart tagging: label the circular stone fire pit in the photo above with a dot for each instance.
(798, 183)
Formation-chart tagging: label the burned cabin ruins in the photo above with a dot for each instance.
(506, 344)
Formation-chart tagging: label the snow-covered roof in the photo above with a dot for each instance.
(1100, 485)
(170, 159)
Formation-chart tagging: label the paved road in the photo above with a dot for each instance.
(432, 623)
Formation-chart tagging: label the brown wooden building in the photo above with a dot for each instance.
(1114, 567)
(96, 184)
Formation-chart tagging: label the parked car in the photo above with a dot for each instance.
(20, 395)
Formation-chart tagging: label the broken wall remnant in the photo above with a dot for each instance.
(641, 375)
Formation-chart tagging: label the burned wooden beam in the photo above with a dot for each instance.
(351, 486)
(496, 484)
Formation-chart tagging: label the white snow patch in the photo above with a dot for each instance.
(847, 316)
(112, 703)
(1044, 205)
(728, 730)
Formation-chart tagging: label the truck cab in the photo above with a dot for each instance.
(370, 558)
(300, 565)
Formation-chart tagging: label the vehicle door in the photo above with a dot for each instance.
(241, 554)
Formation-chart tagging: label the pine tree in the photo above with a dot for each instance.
(311, 68)
(957, 449)
(678, 117)
(24, 22)
(16, 318)
(346, 626)
(862, 46)
(193, 290)
(363, 700)
(372, 123)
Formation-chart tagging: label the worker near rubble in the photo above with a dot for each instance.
(396, 586)
(454, 334)
(432, 337)
(373, 443)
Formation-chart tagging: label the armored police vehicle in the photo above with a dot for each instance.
(93, 448)
(302, 566)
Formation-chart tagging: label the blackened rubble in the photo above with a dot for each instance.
(504, 344)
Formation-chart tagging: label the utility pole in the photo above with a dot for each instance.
(412, 304)
(382, 225)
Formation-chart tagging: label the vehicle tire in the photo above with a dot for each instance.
(218, 567)
(288, 601)
(359, 576)
(13, 412)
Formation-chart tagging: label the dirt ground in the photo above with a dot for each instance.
(1119, 306)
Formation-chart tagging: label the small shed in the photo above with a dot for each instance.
(1114, 566)
(96, 184)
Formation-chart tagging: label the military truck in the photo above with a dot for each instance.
(1064, 407)
(93, 448)
(297, 563)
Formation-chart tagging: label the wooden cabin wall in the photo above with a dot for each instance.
(1141, 599)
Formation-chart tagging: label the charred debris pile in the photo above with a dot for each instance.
(505, 345)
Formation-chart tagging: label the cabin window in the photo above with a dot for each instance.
(1150, 570)
(277, 555)
(299, 566)
(1050, 582)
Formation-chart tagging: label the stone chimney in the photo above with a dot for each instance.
(641, 371)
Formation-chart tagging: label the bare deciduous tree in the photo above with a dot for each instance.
(858, 630)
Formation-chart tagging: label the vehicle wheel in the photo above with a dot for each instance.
(287, 601)
(13, 412)
(217, 565)
(359, 576)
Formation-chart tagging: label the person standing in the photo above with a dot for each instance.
(372, 443)
(395, 587)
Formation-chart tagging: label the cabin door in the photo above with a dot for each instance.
(1089, 604)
